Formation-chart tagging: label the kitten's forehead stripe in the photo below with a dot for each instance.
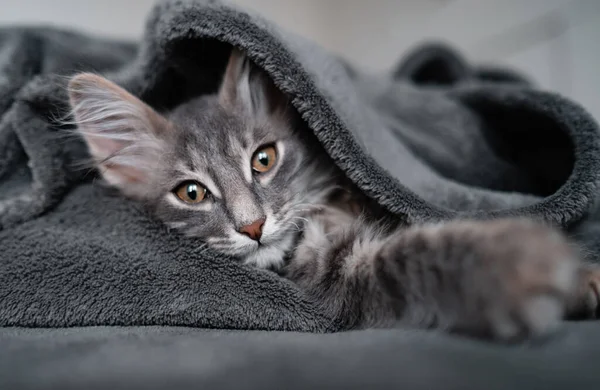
(242, 156)
(191, 158)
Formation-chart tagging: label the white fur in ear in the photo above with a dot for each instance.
(248, 88)
(123, 134)
(234, 89)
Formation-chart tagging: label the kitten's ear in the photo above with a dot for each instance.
(247, 87)
(123, 134)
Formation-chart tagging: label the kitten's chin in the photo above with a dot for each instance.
(270, 255)
(266, 257)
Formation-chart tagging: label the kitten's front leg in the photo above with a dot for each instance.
(504, 279)
(333, 264)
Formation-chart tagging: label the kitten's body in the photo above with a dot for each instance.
(274, 199)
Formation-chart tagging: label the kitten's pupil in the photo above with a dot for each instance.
(192, 191)
(263, 158)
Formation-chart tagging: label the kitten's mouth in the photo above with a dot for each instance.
(271, 253)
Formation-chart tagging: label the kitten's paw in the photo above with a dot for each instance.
(526, 275)
(585, 303)
(502, 280)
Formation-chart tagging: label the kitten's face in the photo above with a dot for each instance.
(230, 169)
(224, 172)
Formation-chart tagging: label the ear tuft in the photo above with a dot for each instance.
(248, 88)
(123, 134)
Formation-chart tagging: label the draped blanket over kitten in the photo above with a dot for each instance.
(435, 139)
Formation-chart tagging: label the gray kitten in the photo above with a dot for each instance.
(240, 171)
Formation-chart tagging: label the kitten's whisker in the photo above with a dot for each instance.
(299, 218)
(219, 241)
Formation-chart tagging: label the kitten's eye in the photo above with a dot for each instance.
(264, 159)
(190, 192)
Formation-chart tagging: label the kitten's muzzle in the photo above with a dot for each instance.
(253, 230)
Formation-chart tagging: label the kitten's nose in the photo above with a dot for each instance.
(254, 230)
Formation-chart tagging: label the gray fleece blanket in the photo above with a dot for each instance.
(433, 140)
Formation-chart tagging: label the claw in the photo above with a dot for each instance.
(595, 292)
(586, 303)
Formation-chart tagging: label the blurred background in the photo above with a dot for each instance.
(556, 42)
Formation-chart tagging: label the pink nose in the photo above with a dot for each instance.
(254, 230)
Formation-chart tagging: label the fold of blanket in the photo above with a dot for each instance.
(434, 140)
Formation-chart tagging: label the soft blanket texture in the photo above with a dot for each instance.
(185, 358)
(435, 139)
